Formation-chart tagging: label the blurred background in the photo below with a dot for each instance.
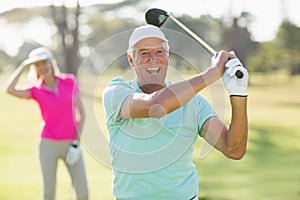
(264, 34)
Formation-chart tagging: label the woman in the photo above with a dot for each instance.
(63, 115)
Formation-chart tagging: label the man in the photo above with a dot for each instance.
(153, 124)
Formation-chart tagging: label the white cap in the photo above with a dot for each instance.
(143, 32)
(38, 54)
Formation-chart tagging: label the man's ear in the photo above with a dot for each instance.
(130, 60)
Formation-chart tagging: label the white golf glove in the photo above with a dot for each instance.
(234, 85)
(73, 153)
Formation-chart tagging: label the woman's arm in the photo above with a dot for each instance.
(13, 80)
(80, 116)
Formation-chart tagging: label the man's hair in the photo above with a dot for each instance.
(165, 45)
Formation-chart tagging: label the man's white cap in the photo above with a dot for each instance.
(143, 32)
(39, 54)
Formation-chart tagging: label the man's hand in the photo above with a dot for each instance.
(234, 85)
(73, 153)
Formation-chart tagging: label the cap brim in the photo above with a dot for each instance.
(35, 59)
(144, 37)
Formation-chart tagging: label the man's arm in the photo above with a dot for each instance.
(170, 98)
(231, 142)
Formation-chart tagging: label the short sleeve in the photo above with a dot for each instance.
(113, 98)
(33, 92)
(206, 112)
(72, 78)
(76, 87)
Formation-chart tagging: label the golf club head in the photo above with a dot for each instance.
(156, 17)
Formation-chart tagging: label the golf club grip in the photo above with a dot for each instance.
(239, 74)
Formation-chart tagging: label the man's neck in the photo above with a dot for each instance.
(151, 87)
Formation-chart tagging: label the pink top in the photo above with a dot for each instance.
(57, 108)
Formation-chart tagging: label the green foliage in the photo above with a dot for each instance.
(280, 54)
(288, 36)
(266, 59)
(104, 28)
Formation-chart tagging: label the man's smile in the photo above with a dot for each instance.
(153, 70)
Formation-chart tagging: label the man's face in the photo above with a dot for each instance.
(150, 60)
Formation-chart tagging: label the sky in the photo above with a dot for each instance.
(267, 16)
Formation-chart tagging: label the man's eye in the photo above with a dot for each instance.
(161, 50)
(143, 53)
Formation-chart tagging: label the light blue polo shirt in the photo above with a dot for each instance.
(153, 158)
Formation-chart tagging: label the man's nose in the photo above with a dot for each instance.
(152, 57)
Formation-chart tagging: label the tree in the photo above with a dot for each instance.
(68, 26)
(238, 38)
(288, 39)
(280, 54)
(267, 58)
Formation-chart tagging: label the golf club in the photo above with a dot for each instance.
(157, 17)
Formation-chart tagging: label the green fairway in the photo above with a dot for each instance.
(270, 169)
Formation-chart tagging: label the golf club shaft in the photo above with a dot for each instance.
(238, 74)
(197, 38)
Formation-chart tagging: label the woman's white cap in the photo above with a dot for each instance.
(39, 54)
(145, 31)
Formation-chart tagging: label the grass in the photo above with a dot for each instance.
(270, 169)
